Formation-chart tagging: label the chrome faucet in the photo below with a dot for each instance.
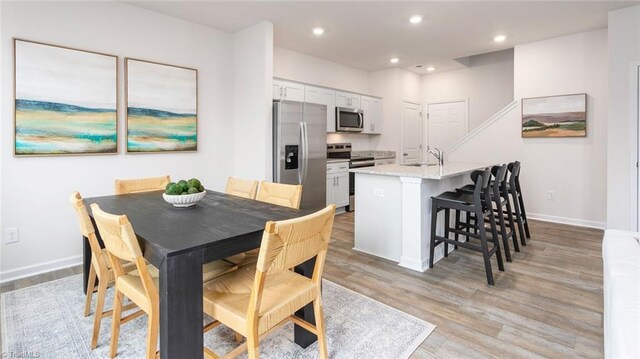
(437, 154)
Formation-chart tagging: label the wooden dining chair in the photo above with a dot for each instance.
(286, 195)
(137, 185)
(242, 188)
(280, 194)
(134, 277)
(99, 269)
(142, 289)
(255, 301)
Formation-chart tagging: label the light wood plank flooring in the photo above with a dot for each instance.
(548, 302)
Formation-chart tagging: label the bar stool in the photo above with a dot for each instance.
(500, 197)
(518, 202)
(480, 205)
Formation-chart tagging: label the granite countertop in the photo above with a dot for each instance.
(337, 160)
(433, 172)
(378, 155)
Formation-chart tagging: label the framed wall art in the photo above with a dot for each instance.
(65, 100)
(555, 116)
(162, 107)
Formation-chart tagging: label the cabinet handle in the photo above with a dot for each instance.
(280, 92)
(285, 92)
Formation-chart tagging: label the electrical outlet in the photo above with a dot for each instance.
(378, 192)
(551, 195)
(11, 235)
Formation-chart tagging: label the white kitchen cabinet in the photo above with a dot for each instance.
(326, 97)
(285, 90)
(372, 112)
(338, 184)
(348, 99)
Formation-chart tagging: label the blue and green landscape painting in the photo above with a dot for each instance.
(152, 130)
(57, 128)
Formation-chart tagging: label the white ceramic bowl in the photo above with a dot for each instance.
(183, 201)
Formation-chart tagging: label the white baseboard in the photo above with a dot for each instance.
(40, 268)
(565, 220)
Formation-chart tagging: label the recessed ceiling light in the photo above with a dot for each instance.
(431, 68)
(394, 60)
(318, 31)
(415, 19)
(499, 38)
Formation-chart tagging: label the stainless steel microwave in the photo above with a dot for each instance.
(349, 120)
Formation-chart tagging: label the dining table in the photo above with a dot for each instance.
(178, 241)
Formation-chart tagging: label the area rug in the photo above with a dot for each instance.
(45, 321)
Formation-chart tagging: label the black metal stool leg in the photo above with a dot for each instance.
(495, 241)
(516, 207)
(512, 225)
(447, 220)
(503, 230)
(485, 253)
(457, 236)
(524, 212)
(434, 222)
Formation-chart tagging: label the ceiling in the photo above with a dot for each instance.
(366, 34)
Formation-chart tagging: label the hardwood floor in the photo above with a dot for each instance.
(548, 302)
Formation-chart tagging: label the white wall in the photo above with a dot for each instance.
(252, 88)
(624, 49)
(292, 65)
(487, 83)
(35, 191)
(395, 86)
(574, 168)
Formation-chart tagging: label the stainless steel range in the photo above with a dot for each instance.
(343, 151)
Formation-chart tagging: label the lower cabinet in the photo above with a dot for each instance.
(338, 184)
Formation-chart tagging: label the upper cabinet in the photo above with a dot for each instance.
(370, 106)
(372, 111)
(323, 96)
(347, 99)
(285, 90)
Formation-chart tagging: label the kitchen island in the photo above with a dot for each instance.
(393, 209)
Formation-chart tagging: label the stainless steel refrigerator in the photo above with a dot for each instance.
(300, 149)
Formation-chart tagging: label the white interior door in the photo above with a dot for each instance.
(447, 123)
(411, 133)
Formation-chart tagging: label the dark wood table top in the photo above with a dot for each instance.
(218, 220)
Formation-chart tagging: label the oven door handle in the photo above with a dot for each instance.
(360, 164)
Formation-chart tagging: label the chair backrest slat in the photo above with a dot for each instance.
(286, 244)
(280, 194)
(242, 188)
(117, 234)
(137, 185)
(499, 176)
(88, 230)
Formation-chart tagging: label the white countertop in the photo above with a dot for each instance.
(434, 172)
(337, 160)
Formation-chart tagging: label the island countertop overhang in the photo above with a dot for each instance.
(432, 172)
